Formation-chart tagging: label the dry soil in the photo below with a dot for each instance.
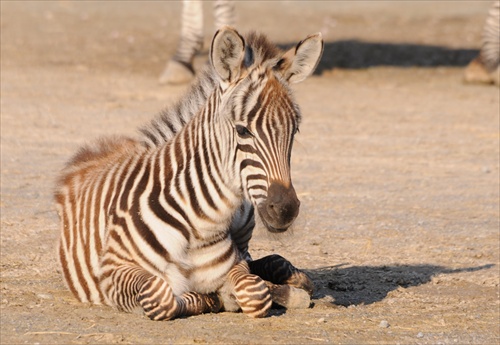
(396, 165)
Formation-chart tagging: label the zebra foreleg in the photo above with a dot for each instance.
(289, 286)
(133, 287)
(249, 291)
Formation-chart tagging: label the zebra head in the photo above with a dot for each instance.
(262, 116)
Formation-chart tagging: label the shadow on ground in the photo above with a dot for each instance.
(354, 54)
(357, 285)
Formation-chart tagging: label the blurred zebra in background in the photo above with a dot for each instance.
(485, 68)
(179, 69)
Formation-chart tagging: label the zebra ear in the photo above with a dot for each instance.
(300, 62)
(227, 53)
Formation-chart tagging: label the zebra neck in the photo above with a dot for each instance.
(203, 170)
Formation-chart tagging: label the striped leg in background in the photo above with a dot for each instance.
(485, 68)
(179, 69)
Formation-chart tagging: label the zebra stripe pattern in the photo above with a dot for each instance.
(490, 49)
(149, 224)
(485, 68)
(180, 68)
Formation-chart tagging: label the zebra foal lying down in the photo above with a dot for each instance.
(163, 223)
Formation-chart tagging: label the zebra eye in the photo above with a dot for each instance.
(243, 131)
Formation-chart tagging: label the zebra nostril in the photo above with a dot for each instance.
(272, 210)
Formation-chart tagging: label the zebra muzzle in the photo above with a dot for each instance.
(280, 208)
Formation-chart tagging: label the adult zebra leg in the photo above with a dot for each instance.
(179, 69)
(485, 68)
(289, 286)
(130, 286)
(249, 291)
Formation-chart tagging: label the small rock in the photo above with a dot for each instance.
(327, 299)
(420, 335)
(315, 242)
(321, 320)
(383, 324)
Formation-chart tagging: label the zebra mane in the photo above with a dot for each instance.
(171, 119)
(263, 50)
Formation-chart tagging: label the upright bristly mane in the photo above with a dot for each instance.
(171, 119)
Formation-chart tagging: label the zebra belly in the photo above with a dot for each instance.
(203, 269)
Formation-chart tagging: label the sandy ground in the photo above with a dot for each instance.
(396, 166)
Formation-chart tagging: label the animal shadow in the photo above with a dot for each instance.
(356, 54)
(357, 285)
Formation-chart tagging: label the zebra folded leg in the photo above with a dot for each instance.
(130, 287)
(288, 296)
(289, 286)
(159, 302)
(245, 291)
(278, 270)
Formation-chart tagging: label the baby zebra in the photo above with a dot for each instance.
(151, 225)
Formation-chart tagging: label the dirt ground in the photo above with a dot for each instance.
(396, 166)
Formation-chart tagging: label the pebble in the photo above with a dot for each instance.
(321, 320)
(328, 299)
(383, 324)
(420, 335)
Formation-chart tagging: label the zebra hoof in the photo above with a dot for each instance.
(290, 297)
(476, 72)
(176, 73)
(298, 299)
(495, 76)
